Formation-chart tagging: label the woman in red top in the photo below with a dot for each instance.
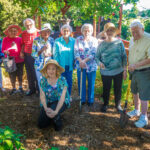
(12, 46)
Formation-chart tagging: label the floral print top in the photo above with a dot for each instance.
(38, 44)
(53, 93)
(86, 49)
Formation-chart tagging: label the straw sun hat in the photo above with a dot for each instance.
(112, 26)
(59, 69)
(13, 26)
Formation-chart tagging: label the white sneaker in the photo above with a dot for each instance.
(143, 121)
(70, 99)
(133, 113)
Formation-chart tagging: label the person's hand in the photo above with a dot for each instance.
(102, 66)
(82, 64)
(125, 74)
(132, 67)
(48, 55)
(51, 113)
(48, 110)
(22, 55)
(45, 47)
(6, 52)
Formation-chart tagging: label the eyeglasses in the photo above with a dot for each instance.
(103, 38)
(110, 30)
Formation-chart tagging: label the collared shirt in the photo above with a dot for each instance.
(64, 52)
(27, 40)
(38, 44)
(53, 93)
(139, 50)
(84, 49)
(113, 56)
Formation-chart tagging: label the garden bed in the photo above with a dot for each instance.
(91, 128)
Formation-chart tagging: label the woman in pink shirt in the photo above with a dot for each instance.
(12, 46)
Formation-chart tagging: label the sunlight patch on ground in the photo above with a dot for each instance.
(64, 141)
(126, 139)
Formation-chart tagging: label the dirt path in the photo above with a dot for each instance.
(92, 128)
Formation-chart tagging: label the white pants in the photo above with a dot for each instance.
(38, 76)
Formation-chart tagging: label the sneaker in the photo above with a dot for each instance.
(119, 108)
(21, 90)
(104, 108)
(13, 91)
(143, 121)
(90, 104)
(133, 113)
(70, 99)
(57, 123)
(82, 103)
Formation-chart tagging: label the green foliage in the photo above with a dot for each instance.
(145, 13)
(55, 148)
(147, 25)
(9, 140)
(83, 148)
(80, 9)
(11, 14)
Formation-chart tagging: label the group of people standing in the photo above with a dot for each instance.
(49, 65)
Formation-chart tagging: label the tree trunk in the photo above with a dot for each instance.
(94, 25)
(99, 22)
(39, 22)
(120, 18)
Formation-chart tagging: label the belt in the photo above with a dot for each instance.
(27, 54)
(144, 69)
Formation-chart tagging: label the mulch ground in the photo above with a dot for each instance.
(91, 128)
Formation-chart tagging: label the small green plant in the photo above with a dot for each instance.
(83, 148)
(9, 140)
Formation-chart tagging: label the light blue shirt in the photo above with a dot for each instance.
(64, 52)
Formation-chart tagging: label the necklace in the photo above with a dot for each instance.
(52, 81)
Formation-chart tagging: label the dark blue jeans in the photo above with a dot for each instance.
(44, 121)
(68, 75)
(91, 76)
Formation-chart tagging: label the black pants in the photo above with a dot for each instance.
(44, 121)
(18, 73)
(31, 76)
(107, 82)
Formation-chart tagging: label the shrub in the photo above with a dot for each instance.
(9, 140)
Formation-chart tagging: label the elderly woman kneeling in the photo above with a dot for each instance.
(53, 94)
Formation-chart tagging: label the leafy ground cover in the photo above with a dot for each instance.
(91, 128)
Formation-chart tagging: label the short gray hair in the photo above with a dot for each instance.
(29, 19)
(87, 25)
(136, 23)
(64, 27)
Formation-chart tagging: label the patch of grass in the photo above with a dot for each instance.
(3, 98)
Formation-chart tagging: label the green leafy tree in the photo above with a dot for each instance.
(11, 14)
(147, 25)
(84, 8)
